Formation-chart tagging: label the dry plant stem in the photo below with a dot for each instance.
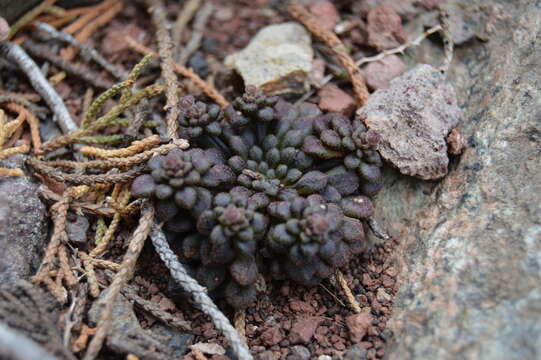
(90, 274)
(400, 49)
(347, 292)
(110, 232)
(122, 162)
(105, 264)
(17, 55)
(121, 278)
(65, 266)
(21, 99)
(154, 308)
(86, 50)
(80, 343)
(199, 294)
(337, 47)
(89, 14)
(121, 178)
(197, 33)
(32, 121)
(32, 97)
(135, 148)
(200, 83)
(23, 149)
(59, 213)
(165, 46)
(29, 16)
(188, 11)
(74, 316)
(83, 73)
(150, 91)
(16, 346)
(142, 112)
(105, 17)
(240, 322)
(10, 172)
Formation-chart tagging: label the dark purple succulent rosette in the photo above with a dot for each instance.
(267, 187)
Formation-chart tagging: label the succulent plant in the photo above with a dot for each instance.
(267, 187)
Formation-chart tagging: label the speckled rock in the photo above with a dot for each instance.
(471, 243)
(414, 116)
(277, 60)
(23, 224)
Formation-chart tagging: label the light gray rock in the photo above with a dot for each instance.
(277, 60)
(23, 224)
(414, 116)
(470, 253)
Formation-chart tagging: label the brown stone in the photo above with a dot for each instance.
(358, 325)
(384, 28)
(271, 336)
(378, 74)
(336, 100)
(303, 329)
(326, 14)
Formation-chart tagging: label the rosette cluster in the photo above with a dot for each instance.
(267, 187)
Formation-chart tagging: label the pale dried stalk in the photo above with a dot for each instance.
(29, 16)
(189, 73)
(32, 121)
(121, 278)
(10, 172)
(337, 47)
(110, 232)
(17, 55)
(347, 292)
(135, 148)
(399, 49)
(188, 11)
(240, 322)
(86, 50)
(165, 46)
(198, 293)
(197, 33)
(104, 18)
(23, 149)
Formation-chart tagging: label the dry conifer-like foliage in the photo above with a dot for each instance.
(266, 187)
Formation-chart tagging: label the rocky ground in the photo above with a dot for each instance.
(460, 276)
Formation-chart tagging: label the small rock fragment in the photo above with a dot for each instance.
(333, 99)
(413, 117)
(382, 295)
(271, 336)
(326, 13)
(4, 29)
(77, 229)
(277, 60)
(356, 352)
(303, 329)
(455, 142)
(378, 74)
(358, 325)
(114, 41)
(299, 352)
(209, 348)
(384, 28)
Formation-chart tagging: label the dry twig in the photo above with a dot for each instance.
(337, 47)
(114, 8)
(159, 18)
(199, 294)
(197, 33)
(188, 11)
(17, 55)
(29, 16)
(135, 148)
(347, 291)
(121, 278)
(189, 73)
(86, 50)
